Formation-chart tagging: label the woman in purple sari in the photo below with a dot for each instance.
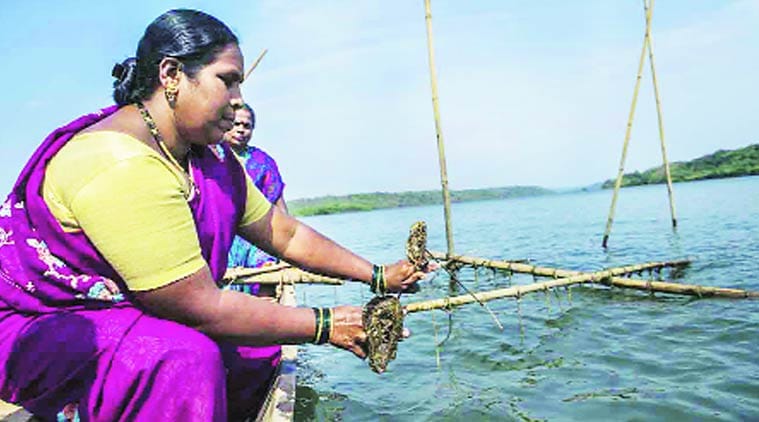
(264, 172)
(116, 234)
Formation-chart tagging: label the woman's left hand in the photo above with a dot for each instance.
(402, 276)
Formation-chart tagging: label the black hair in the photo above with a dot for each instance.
(247, 106)
(192, 37)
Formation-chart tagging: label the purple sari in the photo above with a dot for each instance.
(264, 172)
(69, 331)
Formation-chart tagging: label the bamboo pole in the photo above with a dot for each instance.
(517, 291)
(679, 288)
(517, 267)
(667, 173)
(239, 272)
(288, 276)
(439, 131)
(668, 287)
(601, 277)
(628, 131)
(255, 64)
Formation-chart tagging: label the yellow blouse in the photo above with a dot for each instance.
(131, 203)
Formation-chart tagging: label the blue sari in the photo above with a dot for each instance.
(264, 172)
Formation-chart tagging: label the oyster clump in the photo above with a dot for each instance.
(383, 323)
(416, 246)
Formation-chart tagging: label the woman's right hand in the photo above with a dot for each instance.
(348, 330)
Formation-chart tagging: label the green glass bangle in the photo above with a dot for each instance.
(383, 281)
(322, 325)
(378, 284)
(375, 277)
(318, 323)
(326, 324)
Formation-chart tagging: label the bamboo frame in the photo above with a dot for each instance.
(439, 130)
(284, 273)
(606, 277)
(648, 285)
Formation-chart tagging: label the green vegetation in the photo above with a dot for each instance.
(723, 163)
(378, 200)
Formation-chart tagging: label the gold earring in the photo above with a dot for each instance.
(171, 91)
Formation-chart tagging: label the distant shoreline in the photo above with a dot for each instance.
(382, 200)
(718, 165)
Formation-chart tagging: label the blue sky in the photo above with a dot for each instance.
(531, 93)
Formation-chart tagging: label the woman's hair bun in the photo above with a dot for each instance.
(123, 86)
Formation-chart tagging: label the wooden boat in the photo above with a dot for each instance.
(279, 405)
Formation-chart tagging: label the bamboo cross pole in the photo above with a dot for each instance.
(667, 287)
(287, 276)
(240, 272)
(517, 291)
(439, 130)
(628, 129)
(679, 288)
(254, 65)
(601, 277)
(518, 267)
(668, 176)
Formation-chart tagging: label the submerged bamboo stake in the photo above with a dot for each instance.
(255, 64)
(544, 271)
(667, 174)
(439, 131)
(628, 130)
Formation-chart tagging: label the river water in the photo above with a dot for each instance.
(590, 353)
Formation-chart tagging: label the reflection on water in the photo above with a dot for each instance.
(585, 353)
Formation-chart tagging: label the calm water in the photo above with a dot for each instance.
(593, 354)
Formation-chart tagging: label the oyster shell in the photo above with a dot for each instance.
(416, 246)
(383, 323)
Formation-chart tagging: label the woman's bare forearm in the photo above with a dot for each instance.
(300, 245)
(237, 317)
(311, 250)
(244, 319)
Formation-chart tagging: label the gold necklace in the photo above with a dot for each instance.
(150, 123)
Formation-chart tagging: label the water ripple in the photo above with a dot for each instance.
(608, 354)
